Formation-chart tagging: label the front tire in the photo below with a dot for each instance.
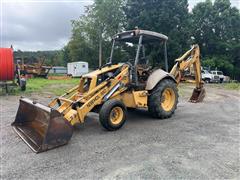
(112, 115)
(163, 99)
(207, 81)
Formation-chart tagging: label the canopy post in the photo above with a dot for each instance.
(165, 56)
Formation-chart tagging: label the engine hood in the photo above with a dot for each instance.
(101, 70)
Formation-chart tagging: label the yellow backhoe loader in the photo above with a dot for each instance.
(110, 90)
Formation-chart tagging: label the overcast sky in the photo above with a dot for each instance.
(43, 24)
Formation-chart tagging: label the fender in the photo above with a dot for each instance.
(156, 77)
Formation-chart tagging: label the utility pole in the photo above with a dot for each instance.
(100, 49)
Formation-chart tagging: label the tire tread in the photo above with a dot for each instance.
(155, 98)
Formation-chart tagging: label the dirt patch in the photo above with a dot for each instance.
(59, 77)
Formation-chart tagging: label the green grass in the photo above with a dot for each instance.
(56, 74)
(232, 86)
(40, 85)
(227, 86)
(58, 87)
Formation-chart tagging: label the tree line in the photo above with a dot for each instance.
(215, 26)
(50, 57)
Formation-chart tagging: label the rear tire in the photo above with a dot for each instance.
(112, 115)
(163, 99)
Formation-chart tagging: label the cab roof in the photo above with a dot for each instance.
(132, 36)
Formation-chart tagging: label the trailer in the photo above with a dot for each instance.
(37, 69)
(77, 69)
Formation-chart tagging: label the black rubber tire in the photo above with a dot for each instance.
(23, 85)
(154, 100)
(207, 81)
(23, 88)
(104, 114)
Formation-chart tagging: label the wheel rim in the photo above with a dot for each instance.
(116, 115)
(168, 99)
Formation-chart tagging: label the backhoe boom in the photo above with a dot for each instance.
(190, 59)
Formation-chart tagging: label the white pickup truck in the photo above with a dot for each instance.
(209, 77)
(220, 74)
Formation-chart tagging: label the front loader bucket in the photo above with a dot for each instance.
(197, 95)
(41, 127)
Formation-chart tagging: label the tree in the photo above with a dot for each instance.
(169, 17)
(109, 18)
(91, 33)
(215, 28)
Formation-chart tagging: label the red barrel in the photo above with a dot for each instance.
(6, 64)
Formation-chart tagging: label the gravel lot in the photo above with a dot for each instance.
(201, 141)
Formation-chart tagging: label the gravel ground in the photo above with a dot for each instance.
(201, 141)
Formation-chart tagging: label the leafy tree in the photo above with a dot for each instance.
(215, 27)
(30, 57)
(91, 33)
(169, 17)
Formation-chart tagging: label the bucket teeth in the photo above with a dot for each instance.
(41, 127)
(197, 95)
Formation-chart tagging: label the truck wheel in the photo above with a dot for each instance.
(112, 115)
(23, 84)
(207, 81)
(163, 99)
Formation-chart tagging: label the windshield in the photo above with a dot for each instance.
(219, 73)
(151, 53)
(123, 52)
(205, 72)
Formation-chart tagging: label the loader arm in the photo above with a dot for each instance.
(190, 59)
(87, 101)
(43, 128)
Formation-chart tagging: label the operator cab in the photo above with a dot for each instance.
(143, 49)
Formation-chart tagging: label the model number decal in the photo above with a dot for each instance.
(96, 98)
(93, 101)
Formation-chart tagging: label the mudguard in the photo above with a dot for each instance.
(156, 77)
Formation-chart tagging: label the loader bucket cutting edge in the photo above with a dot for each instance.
(41, 127)
(197, 95)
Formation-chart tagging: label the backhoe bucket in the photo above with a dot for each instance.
(41, 127)
(197, 95)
